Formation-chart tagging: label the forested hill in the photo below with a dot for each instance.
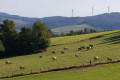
(101, 22)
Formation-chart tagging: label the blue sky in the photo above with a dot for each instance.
(46, 8)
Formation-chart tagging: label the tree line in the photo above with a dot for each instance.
(25, 41)
(72, 32)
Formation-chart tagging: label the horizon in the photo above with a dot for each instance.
(46, 8)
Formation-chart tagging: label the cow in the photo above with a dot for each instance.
(62, 52)
(8, 62)
(96, 58)
(82, 47)
(77, 55)
(40, 56)
(54, 58)
(89, 47)
(53, 52)
(109, 59)
(65, 48)
(79, 49)
(22, 67)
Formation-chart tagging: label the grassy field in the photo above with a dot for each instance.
(109, 72)
(66, 29)
(106, 46)
(70, 39)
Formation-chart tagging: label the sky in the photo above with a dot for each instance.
(47, 8)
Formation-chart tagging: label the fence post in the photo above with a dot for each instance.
(48, 68)
(65, 66)
(83, 63)
(12, 73)
(3, 75)
(40, 69)
(31, 71)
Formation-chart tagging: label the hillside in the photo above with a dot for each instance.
(109, 72)
(100, 22)
(66, 29)
(106, 44)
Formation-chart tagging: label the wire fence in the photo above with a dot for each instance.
(36, 71)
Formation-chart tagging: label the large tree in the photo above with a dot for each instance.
(9, 36)
(40, 36)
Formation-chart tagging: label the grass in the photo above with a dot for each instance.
(103, 47)
(66, 29)
(70, 39)
(109, 72)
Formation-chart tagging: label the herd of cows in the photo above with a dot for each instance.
(62, 52)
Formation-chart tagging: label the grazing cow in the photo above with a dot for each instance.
(79, 48)
(109, 59)
(96, 58)
(77, 55)
(53, 52)
(54, 58)
(82, 47)
(65, 48)
(62, 52)
(22, 67)
(8, 62)
(40, 56)
(89, 47)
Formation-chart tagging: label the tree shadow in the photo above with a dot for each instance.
(112, 40)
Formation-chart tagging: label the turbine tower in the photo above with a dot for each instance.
(108, 9)
(72, 12)
(92, 10)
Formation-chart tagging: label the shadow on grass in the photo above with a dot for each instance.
(112, 40)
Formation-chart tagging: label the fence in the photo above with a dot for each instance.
(29, 72)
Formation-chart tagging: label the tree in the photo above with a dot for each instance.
(86, 31)
(9, 36)
(40, 35)
(25, 40)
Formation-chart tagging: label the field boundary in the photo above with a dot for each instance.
(63, 69)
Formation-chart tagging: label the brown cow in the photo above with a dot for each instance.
(40, 56)
(109, 59)
(65, 48)
(8, 62)
(82, 47)
(91, 46)
(22, 67)
(96, 58)
(53, 52)
(77, 55)
(62, 52)
(79, 49)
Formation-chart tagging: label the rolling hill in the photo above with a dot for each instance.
(100, 22)
(105, 46)
(66, 29)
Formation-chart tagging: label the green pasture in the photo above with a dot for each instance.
(70, 39)
(109, 72)
(106, 46)
(66, 29)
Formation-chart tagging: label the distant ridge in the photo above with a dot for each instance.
(104, 21)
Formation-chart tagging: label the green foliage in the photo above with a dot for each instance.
(26, 41)
(9, 36)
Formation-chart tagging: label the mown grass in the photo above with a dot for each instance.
(109, 72)
(103, 47)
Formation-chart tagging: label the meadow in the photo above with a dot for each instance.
(105, 46)
(67, 29)
(109, 72)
